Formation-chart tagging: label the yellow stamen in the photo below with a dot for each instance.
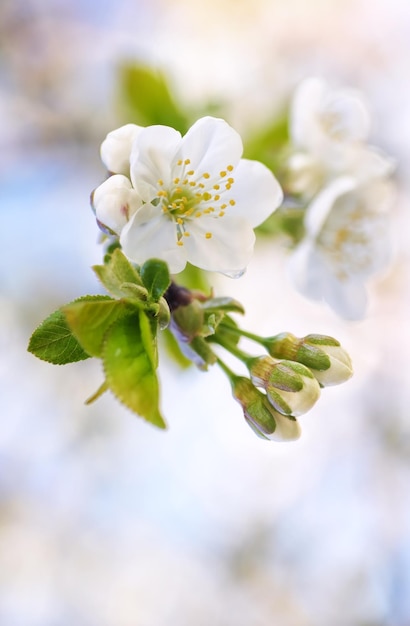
(230, 168)
(207, 196)
(187, 161)
(216, 198)
(221, 213)
(222, 174)
(180, 220)
(208, 235)
(206, 175)
(176, 180)
(186, 234)
(216, 187)
(179, 162)
(190, 173)
(180, 243)
(160, 182)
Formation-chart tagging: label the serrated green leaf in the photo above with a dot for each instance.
(117, 271)
(90, 320)
(54, 342)
(156, 278)
(129, 369)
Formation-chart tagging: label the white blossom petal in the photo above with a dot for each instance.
(228, 249)
(320, 114)
(211, 145)
(116, 148)
(150, 234)
(286, 429)
(115, 201)
(256, 192)
(151, 159)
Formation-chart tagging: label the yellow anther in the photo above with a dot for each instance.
(216, 187)
(207, 211)
(228, 186)
(187, 161)
(189, 212)
(176, 180)
(206, 196)
(192, 183)
(216, 198)
(179, 162)
(162, 194)
(180, 243)
(230, 168)
(208, 235)
(190, 173)
(178, 190)
(198, 195)
(186, 234)
(222, 174)
(231, 180)
(206, 175)
(232, 202)
(160, 182)
(221, 213)
(185, 182)
(201, 185)
(223, 206)
(180, 221)
(198, 214)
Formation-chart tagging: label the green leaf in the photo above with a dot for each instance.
(117, 271)
(225, 304)
(146, 98)
(156, 278)
(90, 320)
(53, 341)
(129, 369)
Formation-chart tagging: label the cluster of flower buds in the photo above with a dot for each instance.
(282, 385)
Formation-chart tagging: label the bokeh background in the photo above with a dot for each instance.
(105, 521)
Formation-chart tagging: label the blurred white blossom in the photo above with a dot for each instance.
(188, 198)
(347, 240)
(329, 129)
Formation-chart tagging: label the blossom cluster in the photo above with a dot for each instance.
(184, 199)
(346, 184)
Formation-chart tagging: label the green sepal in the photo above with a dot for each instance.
(155, 277)
(116, 272)
(97, 394)
(54, 342)
(204, 351)
(89, 320)
(128, 359)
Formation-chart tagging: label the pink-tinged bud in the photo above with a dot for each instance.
(291, 387)
(324, 356)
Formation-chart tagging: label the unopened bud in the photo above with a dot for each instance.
(260, 415)
(323, 355)
(291, 387)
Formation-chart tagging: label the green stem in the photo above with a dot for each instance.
(233, 349)
(243, 333)
(230, 374)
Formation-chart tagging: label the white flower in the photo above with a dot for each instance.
(329, 129)
(347, 240)
(189, 198)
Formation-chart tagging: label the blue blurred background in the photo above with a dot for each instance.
(105, 521)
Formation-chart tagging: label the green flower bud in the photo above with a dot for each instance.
(324, 356)
(260, 414)
(291, 387)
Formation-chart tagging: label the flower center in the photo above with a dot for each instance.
(192, 195)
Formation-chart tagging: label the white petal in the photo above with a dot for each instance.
(116, 148)
(228, 250)
(347, 298)
(115, 201)
(366, 163)
(256, 192)
(320, 114)
(149, 234)
(318, 211)
(151, 158)
(211, 145)
(286, 429)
